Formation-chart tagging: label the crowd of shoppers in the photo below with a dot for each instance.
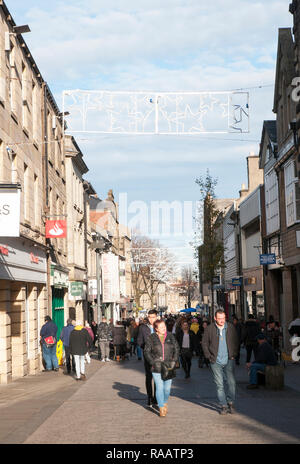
(167, 343)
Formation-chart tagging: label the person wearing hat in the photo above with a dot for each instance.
(265, 356)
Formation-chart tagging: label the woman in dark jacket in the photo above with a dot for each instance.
(119, 340)
(187, 344)
(79, 343)
(161, 346)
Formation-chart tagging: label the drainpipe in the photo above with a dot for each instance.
(46, 186)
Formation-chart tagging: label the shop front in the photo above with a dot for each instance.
(231, 300)
(59, 290)
(92, 300)
(23, 304)
(253, 292)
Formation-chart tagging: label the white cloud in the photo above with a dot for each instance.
(160, 45)
(125, 36)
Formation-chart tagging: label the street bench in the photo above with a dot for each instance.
(272, 378)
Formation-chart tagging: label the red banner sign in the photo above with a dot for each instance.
(56, 229)
(3, 250)
(34, 259)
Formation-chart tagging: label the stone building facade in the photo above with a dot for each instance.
(23, 258)
(286, 169)
(270, 224)
(33, 268)
(77, 231)
(55, 207)
(233, 272)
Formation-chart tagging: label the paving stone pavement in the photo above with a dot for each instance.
(110, 408)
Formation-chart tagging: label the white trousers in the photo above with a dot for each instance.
(79, 365)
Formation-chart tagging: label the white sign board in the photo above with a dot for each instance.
(10, 212)
(110, 278)
(92, 292)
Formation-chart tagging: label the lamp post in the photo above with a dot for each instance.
(100, 245)
(99, 281)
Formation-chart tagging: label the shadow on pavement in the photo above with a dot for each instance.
(133, 394)
(276, 410)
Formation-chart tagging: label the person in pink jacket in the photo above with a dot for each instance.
(91, 333)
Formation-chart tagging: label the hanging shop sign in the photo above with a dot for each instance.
(10, 201)
(56, 229)
(77, 291)
(92, 289)
(237, 282)
(267, 259)
(110, 278)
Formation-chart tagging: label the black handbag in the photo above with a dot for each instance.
(168, 370)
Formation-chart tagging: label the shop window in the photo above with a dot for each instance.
(12, 80)
(292, 194)
(26, 192)
(271, 202)
(37, 217)
(35, 112)
(24, 98)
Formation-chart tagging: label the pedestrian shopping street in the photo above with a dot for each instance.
(110, 407)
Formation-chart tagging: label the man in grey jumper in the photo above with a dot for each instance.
(220, 345)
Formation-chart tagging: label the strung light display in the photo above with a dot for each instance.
(165, 113)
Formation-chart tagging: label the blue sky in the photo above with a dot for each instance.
(174, 45)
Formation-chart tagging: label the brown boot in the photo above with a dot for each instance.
(162, 412)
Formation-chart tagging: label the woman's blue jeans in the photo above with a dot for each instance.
(163, 389)
(49, 355)
(222, 373)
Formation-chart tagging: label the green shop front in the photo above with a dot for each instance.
(59, 289)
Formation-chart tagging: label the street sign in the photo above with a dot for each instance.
(217, 280)
(76, 288)
(267, 259)
(237, 282)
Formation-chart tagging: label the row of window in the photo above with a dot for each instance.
(292, 198)
(23, 94)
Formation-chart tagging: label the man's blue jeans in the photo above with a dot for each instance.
(223, 373)
(163, 389)
(49, 355)
(253, 371)
(139, 351)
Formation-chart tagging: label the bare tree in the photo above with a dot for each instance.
(187, 286)
(151, 265)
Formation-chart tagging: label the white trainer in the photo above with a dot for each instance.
(107, 360)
